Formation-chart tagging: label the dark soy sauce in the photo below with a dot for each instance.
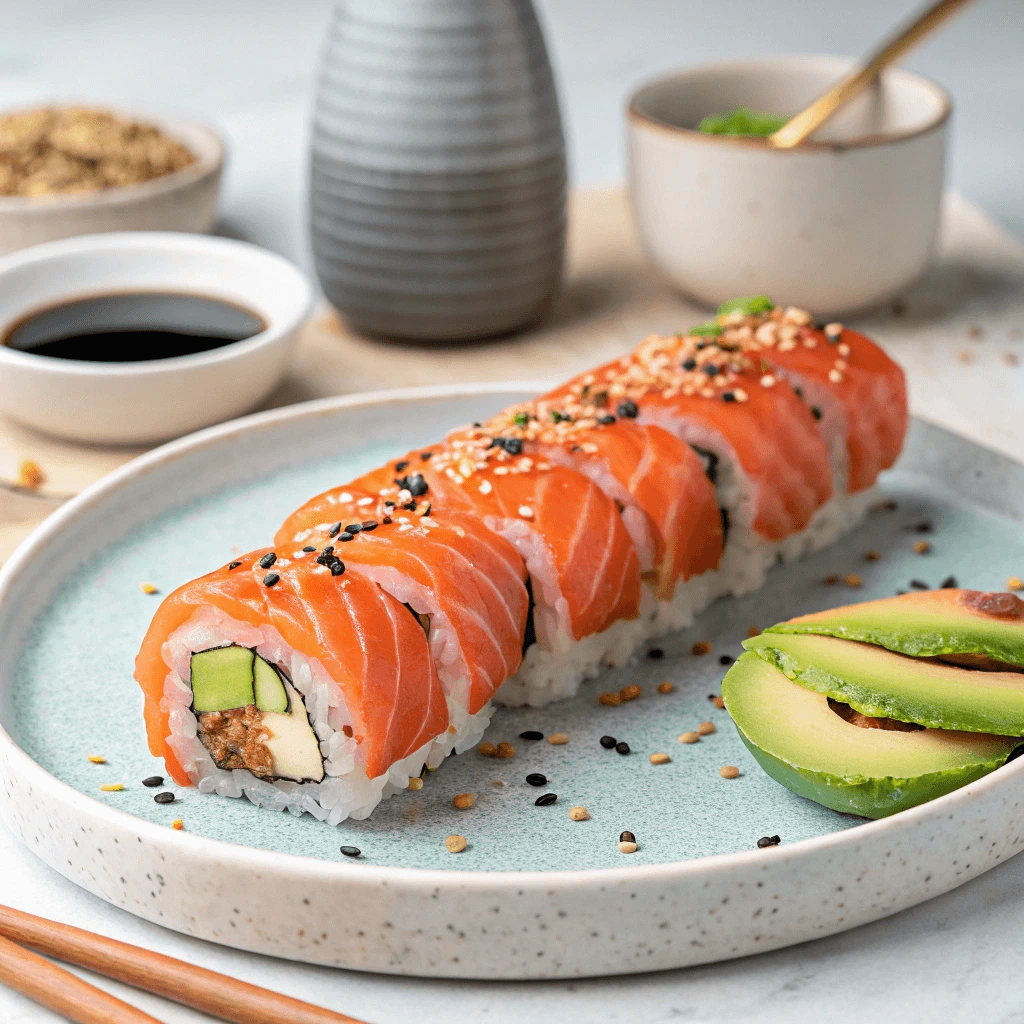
(129, 327)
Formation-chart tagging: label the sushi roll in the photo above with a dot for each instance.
(584, 572)
(465, 584)
(292, 682)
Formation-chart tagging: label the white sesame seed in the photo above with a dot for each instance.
(363, 502)
(767, 381)
(526, 512)
(485, 487)
(835, 376)
(843, 349)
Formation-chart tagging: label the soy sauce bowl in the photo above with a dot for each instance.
(146, 401)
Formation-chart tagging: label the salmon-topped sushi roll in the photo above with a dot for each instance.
(297, 684)
(584, 573)
(465, 583)
(667, 503)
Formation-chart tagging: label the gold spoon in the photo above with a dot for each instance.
(798, 129)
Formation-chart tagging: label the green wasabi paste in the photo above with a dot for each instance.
(742, 121)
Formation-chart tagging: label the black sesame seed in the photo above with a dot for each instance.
(268, 560)
(417, 486)
(728, 396)
(689, 364)
(622, 747)
(271, 579)
(948, 583)
(345, 535)
(164, 798)
(536, 779)
(234, 565)
(608, 742)
(401, 467)
(425, 456)
(153, 781)
(833, 335)
(308, 548)
(512, 445)
(655, 654)
(531, 734)
(370, 524)
(816, 412)
(711, 369)
(725, 659)
(606, 420)
(919, 585)
(337, 566)
(766, 841)
(799, 392)
(334, 530)
(545, 800)
(628, 409)
(351, 851)
(353, 528)
(923, 527)
(627, 837)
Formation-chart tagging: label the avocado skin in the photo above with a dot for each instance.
(870, 798)
(922, 625)
(981, 706)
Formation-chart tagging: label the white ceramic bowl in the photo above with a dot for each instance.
(835, 225)
(183, 201)
(147, 401)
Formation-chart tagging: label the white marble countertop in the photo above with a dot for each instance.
(247, 65)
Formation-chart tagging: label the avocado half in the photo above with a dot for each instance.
(801, 742)
(984, 630)
(882, 684)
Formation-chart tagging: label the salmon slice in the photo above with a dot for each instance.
(857, 393)
(445, 564)
(584, 570)
(668, 503)
(718, 401)
(369, 644)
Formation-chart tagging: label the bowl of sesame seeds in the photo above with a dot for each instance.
(838, 224)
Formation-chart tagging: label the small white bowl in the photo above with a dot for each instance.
(147, 401)
(835, 225)
(185, 200)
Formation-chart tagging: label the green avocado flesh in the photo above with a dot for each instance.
(802, 743)
(234, 677)
(741, 121)
(930, 624)
(882, 684)
(222, 678)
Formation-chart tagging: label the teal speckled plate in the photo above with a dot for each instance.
(72, 615)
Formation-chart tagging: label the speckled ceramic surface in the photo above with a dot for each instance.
(534, 894)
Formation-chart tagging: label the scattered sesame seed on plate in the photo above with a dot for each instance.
(177, 824)
(608, 742)
(766, 841)
(665, 687)
(830, 581)
(719, 702)
(700, 648)
(626, 836)
(852, 580)
(1014, 583)
(463, 801)
(689, 737)
(579, 813)
(625, 847)
(415, 783)
(531, 734)
(147, 588)
(113, 787)
(622, 747)
(546, 800)
(871, 556)
(659, 758)
(705, 728)
(505, 751)
(455, 843)
(558, 739)
(922, 547)
(752, 632)
(97, 759)
(630, 692)
(729, 771)
(487, 750)
(351, 851)
(610, 699)
(525, 512)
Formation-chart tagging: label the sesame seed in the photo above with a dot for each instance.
(536, 779)
(659, 759)
(625, 847)
(267, 560)
(919, 585)
(487, 750)
(153, 781)
(464, 801)
(752, 632)
(833, 331)
(949, 583)
(665, 687)
(147, 588)
(622, 747)
(351, 851)
(233, 565)
(486, 487)
(631, 692)
(725, 659)
(835, 376)
(97, 759)
(689, 737)
(164, 798)
(608, 742)
(700, 648)
(531, 734)
(525, 512)
(719, 702)
(545, 800)
(1014, 583)
(655, 654)
(558, 739)
(113, 787)
(271, 579)
(415, 783)
(579, 813)
(455, 844)
(628, 409)
(729, 771)
(871, 556)
(765, 841)
(728, 396)
(177, 824)
(706, 728)
(767, 381)
(505, 751)
(610, 699)
(830, 581)
(308, 548)
(922, 547)
(852, 580)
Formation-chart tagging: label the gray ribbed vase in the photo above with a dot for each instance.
(438, 180)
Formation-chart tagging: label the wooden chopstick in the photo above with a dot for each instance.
(215, 994)
(61, 991)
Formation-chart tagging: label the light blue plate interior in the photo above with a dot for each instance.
(74, 696)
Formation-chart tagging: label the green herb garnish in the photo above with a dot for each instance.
(742, 121)
(708, 330)
(521, 419)
(750, 306)
(559, 417)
